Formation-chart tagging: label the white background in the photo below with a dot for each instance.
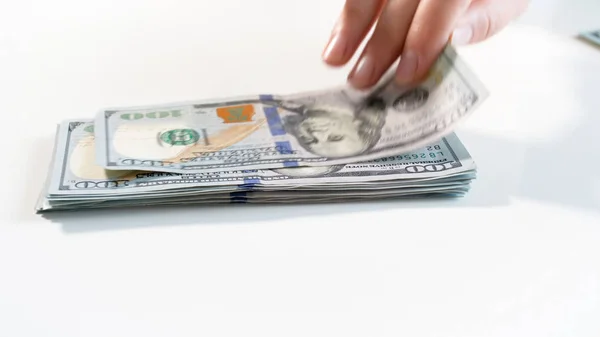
(516, 257)
(566, 17)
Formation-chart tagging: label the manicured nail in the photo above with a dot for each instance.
(462, 36)
(335, 50)
(362, 74)
(407, 67)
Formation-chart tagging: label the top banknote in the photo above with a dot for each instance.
(320, 128)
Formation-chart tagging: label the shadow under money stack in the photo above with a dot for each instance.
(336, 145)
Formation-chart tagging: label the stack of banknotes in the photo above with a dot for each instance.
(334, 145)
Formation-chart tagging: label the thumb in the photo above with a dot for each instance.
(485, 18)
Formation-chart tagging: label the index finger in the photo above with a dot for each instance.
(355, 21)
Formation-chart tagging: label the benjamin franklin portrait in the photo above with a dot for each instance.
(335, 129)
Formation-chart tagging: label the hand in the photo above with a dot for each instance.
(416, 31)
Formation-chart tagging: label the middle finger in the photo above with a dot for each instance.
(385, 44)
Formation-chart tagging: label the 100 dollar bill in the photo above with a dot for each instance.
(322, 128)
(75, 173)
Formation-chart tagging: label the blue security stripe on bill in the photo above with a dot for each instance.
(277, 129)
(290, 164)
(273, 118)
(238, 197)
(286, 148)
(249, 183)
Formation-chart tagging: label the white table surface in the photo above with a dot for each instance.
(519, 256)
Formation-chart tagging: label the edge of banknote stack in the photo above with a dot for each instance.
(432, 164)
(592, 37)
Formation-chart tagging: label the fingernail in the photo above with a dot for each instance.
(363, 72)
(461, 36)
(407, 67)
(335, 50)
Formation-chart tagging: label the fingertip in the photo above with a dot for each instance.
(462, 36)
(366, 72)
(336, 50)
(354, 23)
(336, 63)
(407, 68)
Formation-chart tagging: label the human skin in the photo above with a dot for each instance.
(414, 31)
